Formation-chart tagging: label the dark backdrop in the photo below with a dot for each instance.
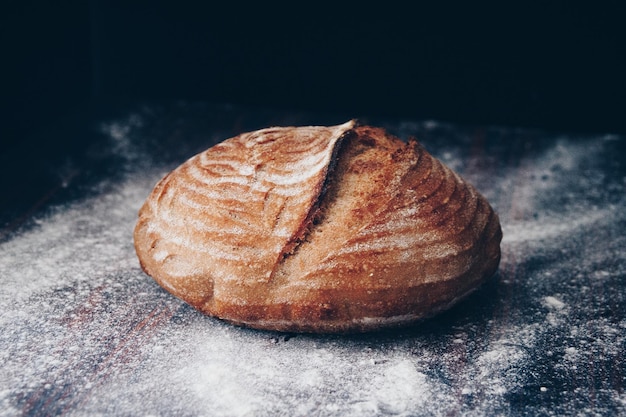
(555, 65)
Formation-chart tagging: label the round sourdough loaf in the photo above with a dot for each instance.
(317, 229)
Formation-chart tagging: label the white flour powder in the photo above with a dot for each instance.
(84, 331)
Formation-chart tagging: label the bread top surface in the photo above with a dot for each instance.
(318, 226)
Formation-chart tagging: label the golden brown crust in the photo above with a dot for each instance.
(317, 229)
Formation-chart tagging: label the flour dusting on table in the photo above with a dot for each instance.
(85, 332)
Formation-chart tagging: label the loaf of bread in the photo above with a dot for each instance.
(317, 229)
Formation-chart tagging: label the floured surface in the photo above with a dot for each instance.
(84, 331)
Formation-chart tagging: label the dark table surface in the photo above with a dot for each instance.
(83, 331)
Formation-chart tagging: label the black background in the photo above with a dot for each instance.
(554, 65)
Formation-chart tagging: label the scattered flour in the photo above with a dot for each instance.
(554, 303)
(85, 332)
